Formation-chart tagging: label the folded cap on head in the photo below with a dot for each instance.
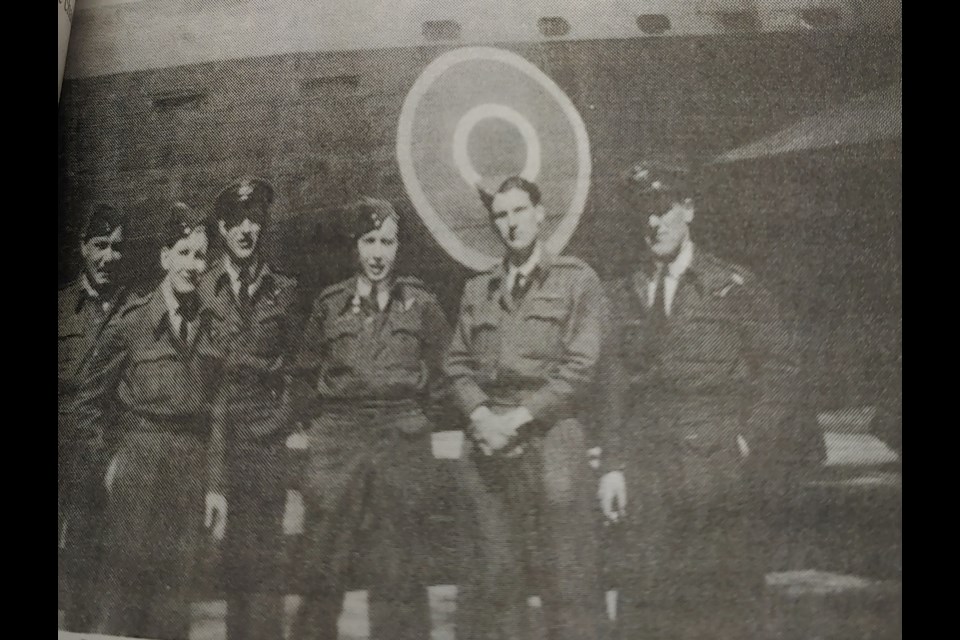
(182, 221)
(367, 214)
(102, 220)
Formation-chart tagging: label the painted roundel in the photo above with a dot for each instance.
(475, 117)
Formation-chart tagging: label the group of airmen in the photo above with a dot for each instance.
(176, 406)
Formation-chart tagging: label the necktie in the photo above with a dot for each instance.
(243, 295)
(657, 324)
(519, 287)
(187, 312)
(370, 303)
(658, 313)
(184, 329)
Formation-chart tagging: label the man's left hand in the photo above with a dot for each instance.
(513, 420)
(215, 514)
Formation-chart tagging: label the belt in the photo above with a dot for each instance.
(142, 423)
(369, 405)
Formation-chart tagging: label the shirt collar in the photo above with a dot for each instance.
(231, 271)
(92, 293)
(681, 263)
(230, 274)
(87, 294)
(158, 311)
(169, 298)
(365, 288)
(527, 267)
(539, 265)
(165, 308)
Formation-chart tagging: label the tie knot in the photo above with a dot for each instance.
(188, 309)
(519, 286)
(370, 303)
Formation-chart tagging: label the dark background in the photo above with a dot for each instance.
(822, 229)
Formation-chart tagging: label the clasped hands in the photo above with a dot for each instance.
(496, 434)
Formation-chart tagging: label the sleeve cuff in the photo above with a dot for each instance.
(469, 396)
(525, 416)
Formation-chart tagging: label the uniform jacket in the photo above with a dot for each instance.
(256, 348)
(726, 366)
(540, 353)
(140, 368)
(80, 320)
(348, 353)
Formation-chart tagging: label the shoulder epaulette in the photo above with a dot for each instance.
(133, 302)
(412, 281)
(283, 279)
(569, 262)
(334, 289)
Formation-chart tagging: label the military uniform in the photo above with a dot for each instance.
(696, 410)
(528, 517)
(372, 377)
(157, 365)
(82, 316)
(257, 310)
(258, 334)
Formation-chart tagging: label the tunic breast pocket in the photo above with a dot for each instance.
(209, 361)
(341, 337)
(267, 329)
(543, 327)
(485, 335)
(633, 341)
(406, 335)
(157, 376)
(69, 353)
(271, 320)
(710, 463)
(705, 351)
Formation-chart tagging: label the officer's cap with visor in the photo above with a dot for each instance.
(368, 214)
(182, 221)
(246, 198)
(657, 182)
(102, 220)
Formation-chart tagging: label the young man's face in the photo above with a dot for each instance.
(241, 237)
(101, 257)
(517, 219)
(377, 251)
(185, 261)
(668, 227)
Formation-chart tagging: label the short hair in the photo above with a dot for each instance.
(513, 182)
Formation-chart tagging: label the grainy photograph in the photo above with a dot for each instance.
(422, 319)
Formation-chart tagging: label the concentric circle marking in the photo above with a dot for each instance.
(447, 63)
(461, 140)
